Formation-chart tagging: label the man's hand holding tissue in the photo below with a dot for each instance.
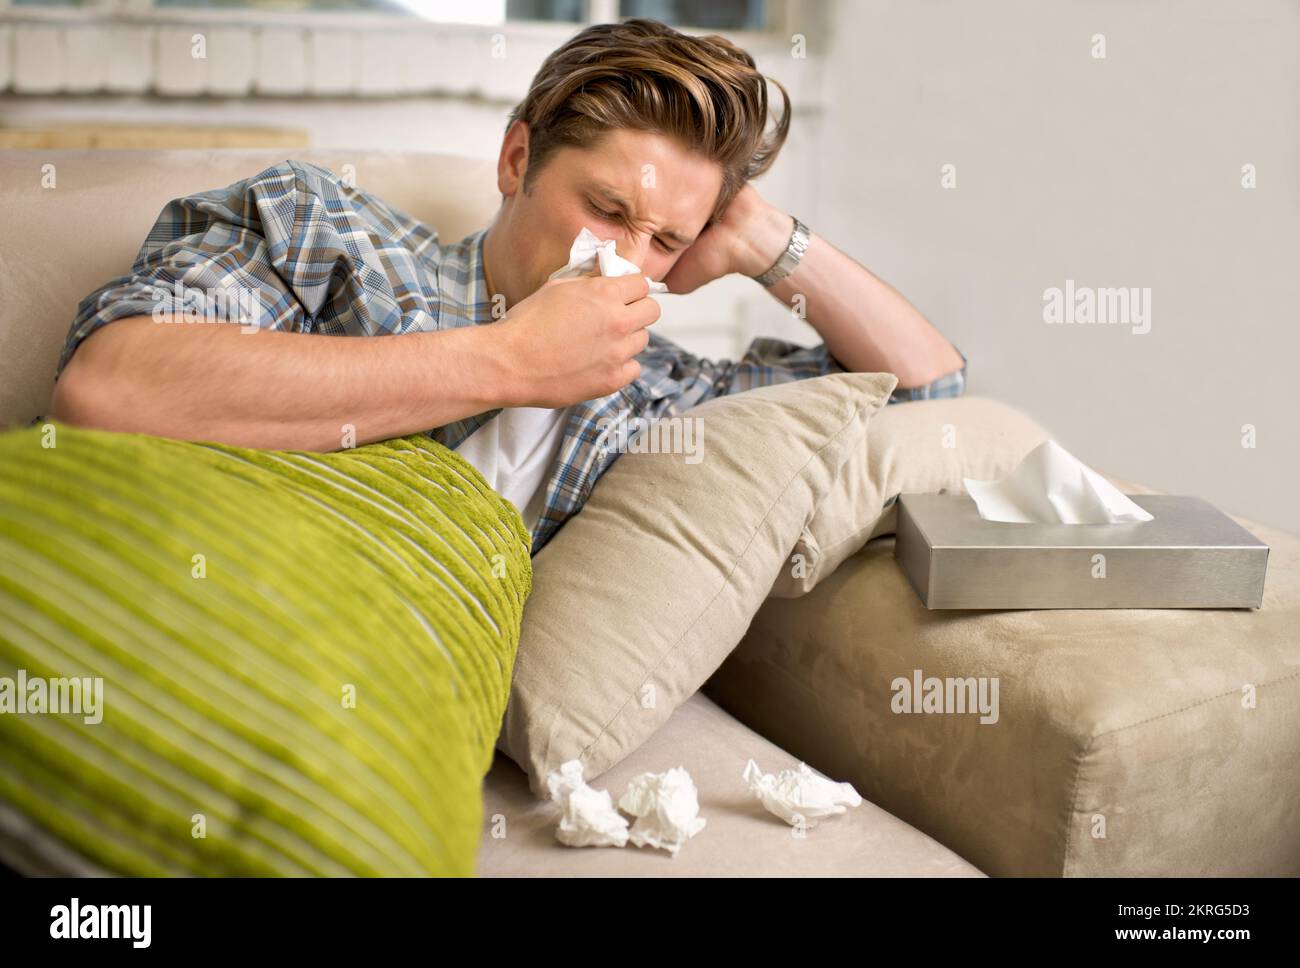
(575, 339)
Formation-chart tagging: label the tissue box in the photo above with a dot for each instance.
(1191, 556)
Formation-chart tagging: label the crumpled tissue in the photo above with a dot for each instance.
(587, 816)
(666, 806)
(1051, 486)
(590, 254)
(801, 793)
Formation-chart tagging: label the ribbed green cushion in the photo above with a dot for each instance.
(391, 568)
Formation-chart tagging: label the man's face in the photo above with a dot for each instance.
(647, 192)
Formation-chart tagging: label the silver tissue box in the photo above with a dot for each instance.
(1191, 556)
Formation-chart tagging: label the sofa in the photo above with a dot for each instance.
(1125, 749)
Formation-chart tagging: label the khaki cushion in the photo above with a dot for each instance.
(640, 596)
(1128, 718)
(741, 838)
(925, 447)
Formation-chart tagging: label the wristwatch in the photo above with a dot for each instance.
(790, 258)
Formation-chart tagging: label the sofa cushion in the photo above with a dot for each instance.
(1129, 742)
(304, 657)
(925, 447)
(639, 598)
(741, 839)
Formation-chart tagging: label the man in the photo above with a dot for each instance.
(640, 133)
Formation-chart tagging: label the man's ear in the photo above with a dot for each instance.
(513, 161)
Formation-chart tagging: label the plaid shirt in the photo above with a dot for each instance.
(323, 257)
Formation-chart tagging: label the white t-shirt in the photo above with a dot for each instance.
(514, 450)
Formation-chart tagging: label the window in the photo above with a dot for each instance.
(717, 14)
(441, 11)
(566, 11)
(710, 14)
(332, 48)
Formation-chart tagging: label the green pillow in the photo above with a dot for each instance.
(305, 657)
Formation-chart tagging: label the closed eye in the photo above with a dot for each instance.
(601, 213)
(618, 217)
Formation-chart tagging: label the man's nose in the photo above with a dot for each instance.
(635, 249)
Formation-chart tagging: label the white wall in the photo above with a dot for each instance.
(1117, 172)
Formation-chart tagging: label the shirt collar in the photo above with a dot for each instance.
(462, 285)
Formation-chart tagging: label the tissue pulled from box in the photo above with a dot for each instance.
(667, 809)
(1051, 486)
(800, 795)
(587, 816)
(590, 254)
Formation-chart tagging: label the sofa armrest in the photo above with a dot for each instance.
(1126, 742)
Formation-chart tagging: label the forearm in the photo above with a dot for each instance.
(867, 325)
(278, 390)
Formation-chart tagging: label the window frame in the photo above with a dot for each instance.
(127, 47)
(146, 12)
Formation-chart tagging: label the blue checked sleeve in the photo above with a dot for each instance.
(205, 260)
(949, 385)
(769, 361)
(293, 248)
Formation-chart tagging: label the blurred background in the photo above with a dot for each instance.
(973, 154)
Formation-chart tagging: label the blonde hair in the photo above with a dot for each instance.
(641, 74)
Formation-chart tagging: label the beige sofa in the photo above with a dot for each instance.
(64, 241)
(1124, 747)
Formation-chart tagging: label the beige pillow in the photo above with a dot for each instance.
(922, 446)
(639, 598)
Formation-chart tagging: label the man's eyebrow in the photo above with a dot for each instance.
(615, 198)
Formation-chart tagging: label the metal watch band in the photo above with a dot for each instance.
(791, 257)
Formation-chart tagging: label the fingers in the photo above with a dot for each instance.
(631, 370)
(641, 314)
(633, 343)
(629, 288)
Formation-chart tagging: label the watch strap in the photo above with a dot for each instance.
(790, 258)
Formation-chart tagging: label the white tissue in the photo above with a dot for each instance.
(801, 793)
(587, 816)
(667, 809)
(1051, 486)
(592, 254)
